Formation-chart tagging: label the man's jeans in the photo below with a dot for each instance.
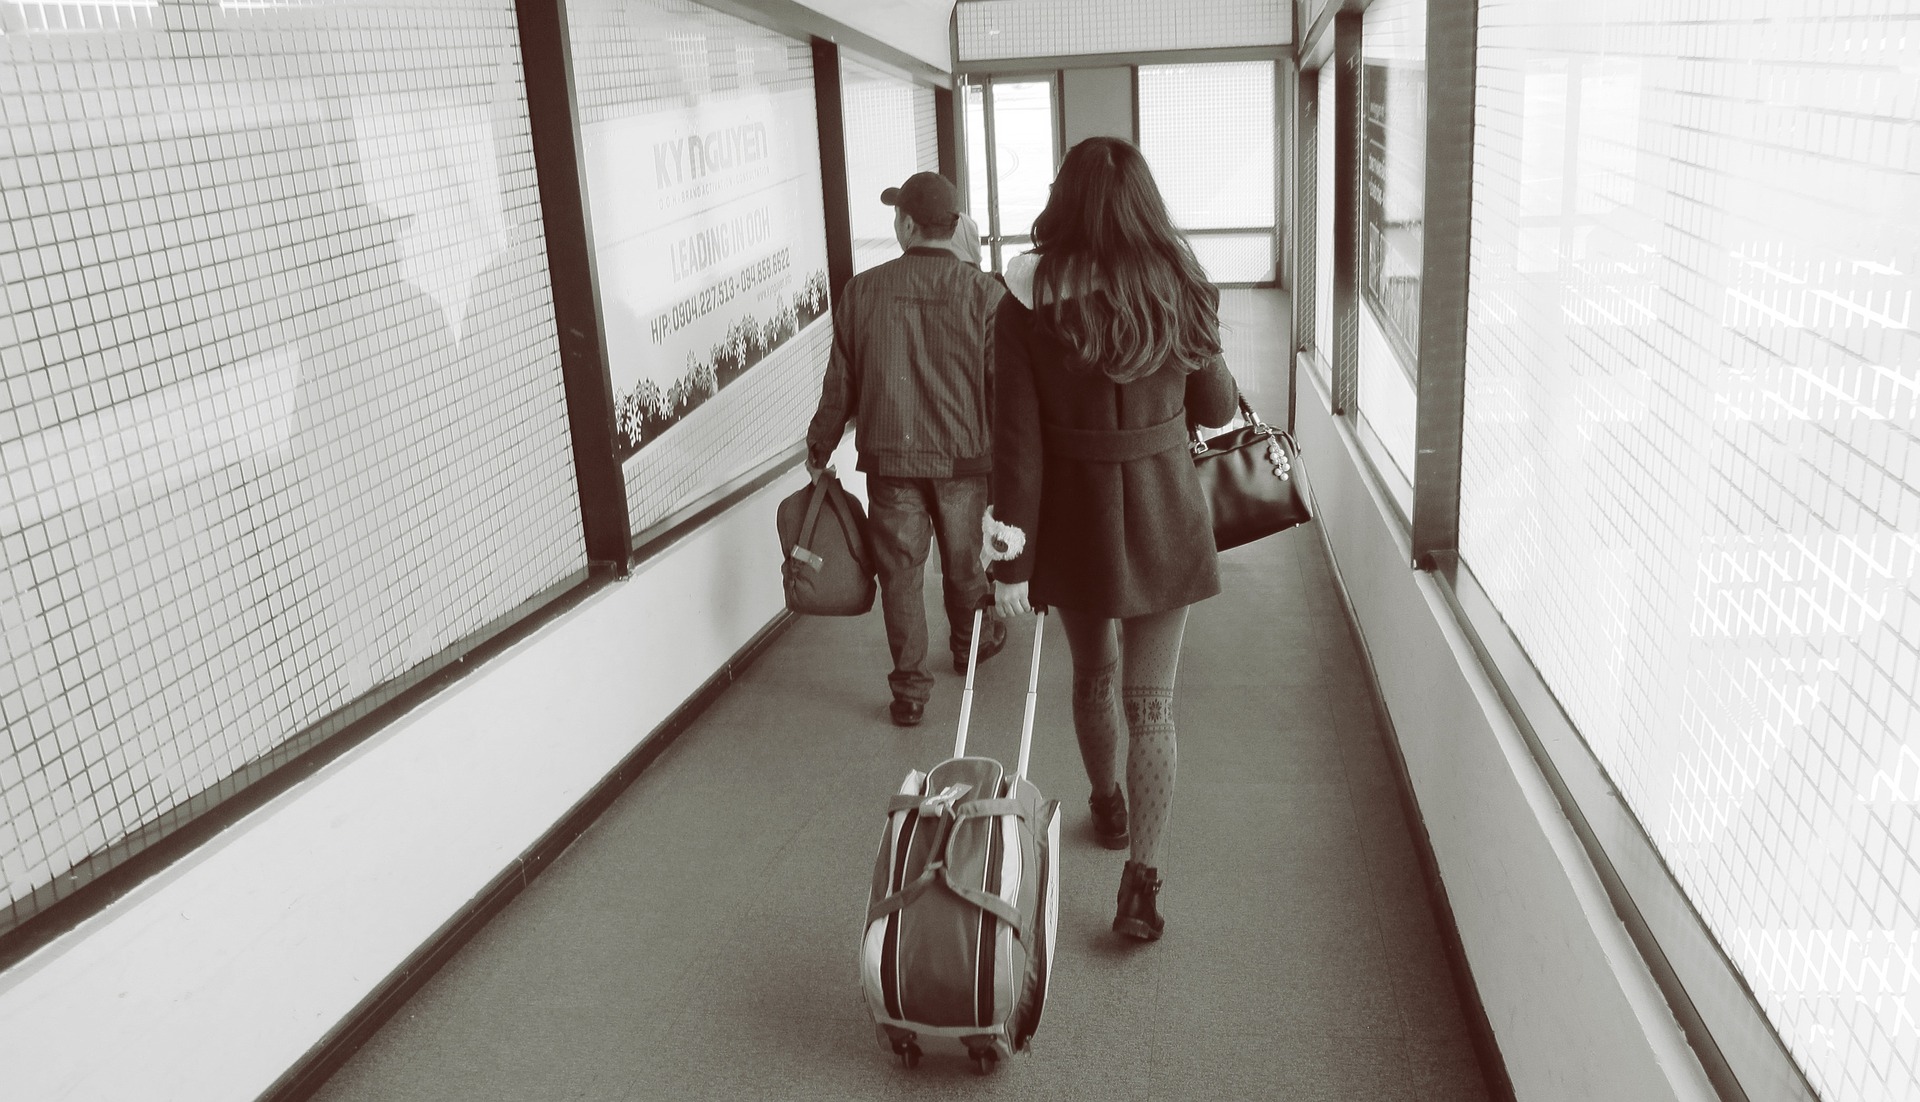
(905, 512)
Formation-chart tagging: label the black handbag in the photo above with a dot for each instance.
(1247, 477)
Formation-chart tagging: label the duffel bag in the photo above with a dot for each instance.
(963, 909)
(827, 570)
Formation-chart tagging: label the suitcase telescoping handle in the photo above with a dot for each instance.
(1033, 687)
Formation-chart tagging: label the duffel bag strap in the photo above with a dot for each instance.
(937, 874)
(803, 540)
(856, 541)
(907, 894)
(981, 809)
(992, 904)
(938, 803)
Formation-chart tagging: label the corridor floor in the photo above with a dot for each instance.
(699, 941)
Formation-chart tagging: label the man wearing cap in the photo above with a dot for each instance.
(912, 341)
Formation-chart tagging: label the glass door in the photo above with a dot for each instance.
(1012, 149)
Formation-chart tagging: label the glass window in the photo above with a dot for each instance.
(1012, 153)
(1325, 127)
(1690, 472)
(888, 122)
(1391, 162)
(1023, 152)
(268, 474)
(979, 193)
(712, 262)
(1227, 255)
(1208, 132)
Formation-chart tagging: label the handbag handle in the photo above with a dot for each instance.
(1247, 414)
(1253, 419)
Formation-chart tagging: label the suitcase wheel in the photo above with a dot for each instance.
(904, 1048)
(984, 1058)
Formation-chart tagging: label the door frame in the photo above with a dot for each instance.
(992, 240)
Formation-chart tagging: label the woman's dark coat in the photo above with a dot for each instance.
(1103, 537)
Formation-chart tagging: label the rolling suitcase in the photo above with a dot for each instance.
(958, 946)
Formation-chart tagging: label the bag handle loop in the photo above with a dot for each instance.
(827, 490)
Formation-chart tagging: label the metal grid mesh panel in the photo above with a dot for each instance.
(283, 415)
(33, 16)
(1691, 470)
(1307, 290)
(891, 135)
(674, 91)
(1208, 131)
(993, 29)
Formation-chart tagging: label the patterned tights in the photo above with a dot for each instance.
(1144, 652)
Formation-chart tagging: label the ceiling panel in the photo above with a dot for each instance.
(916, 27)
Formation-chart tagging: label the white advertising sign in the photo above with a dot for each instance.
(710, 245)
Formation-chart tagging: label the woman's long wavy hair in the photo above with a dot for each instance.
(1116, 282)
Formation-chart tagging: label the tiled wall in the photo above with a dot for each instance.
(891, 134)
(283, 413)
(1691, 476)
(991, 29)
(673, 68)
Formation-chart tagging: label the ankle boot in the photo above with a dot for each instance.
(1138, 915)
(1110, 818)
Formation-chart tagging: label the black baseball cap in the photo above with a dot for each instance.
(927, 197)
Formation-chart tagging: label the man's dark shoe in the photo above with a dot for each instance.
(1110, 818)
(908, 713)
(990, 646)
(1138, 915)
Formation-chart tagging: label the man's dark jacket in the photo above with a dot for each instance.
(912, 360)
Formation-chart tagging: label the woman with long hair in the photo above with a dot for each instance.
(1105, 352)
